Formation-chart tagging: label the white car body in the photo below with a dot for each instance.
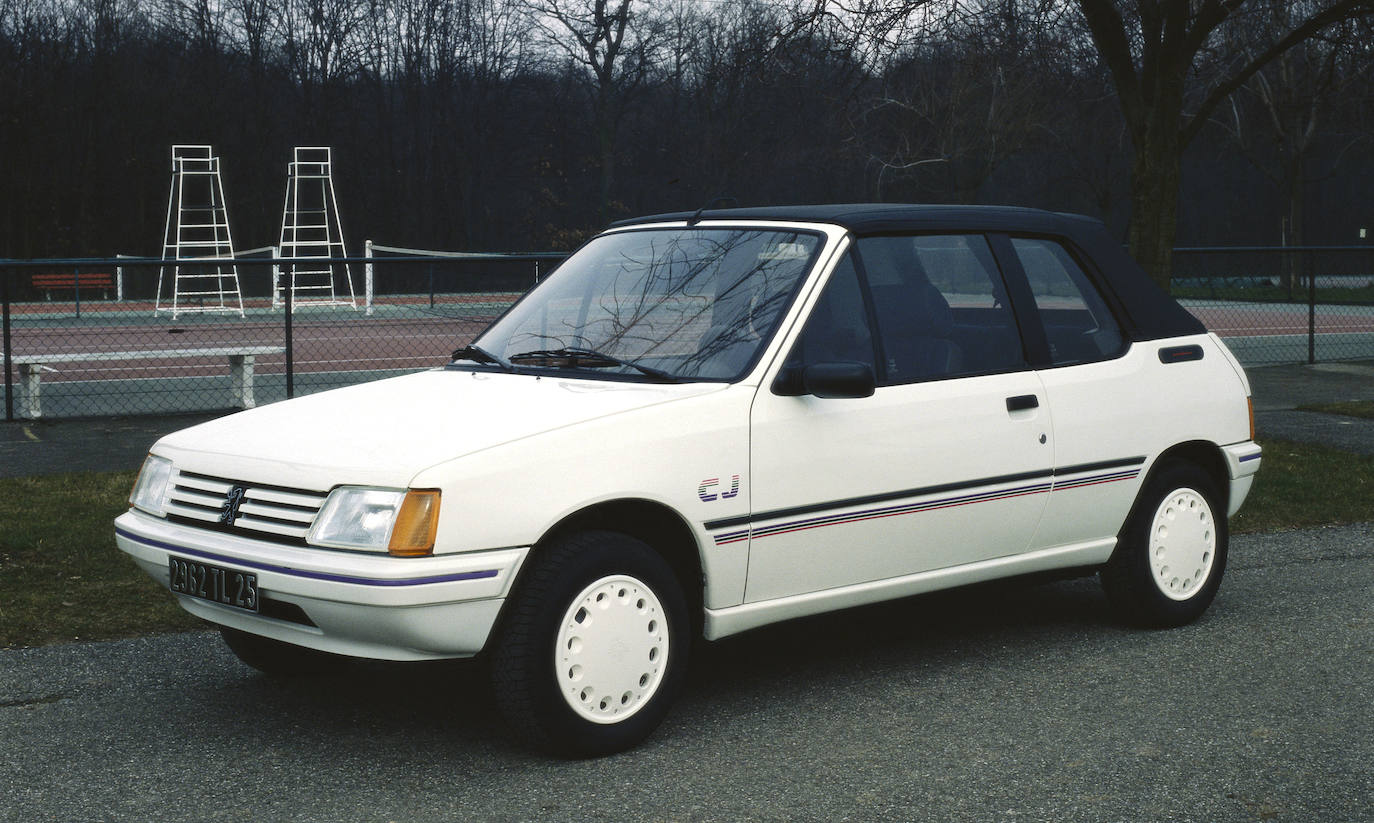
(780, 506)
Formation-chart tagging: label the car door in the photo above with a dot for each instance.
(947, 462)
(1108, 406)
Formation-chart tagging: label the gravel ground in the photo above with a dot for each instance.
(1008, 703)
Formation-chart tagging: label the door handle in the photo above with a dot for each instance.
(1021, 402)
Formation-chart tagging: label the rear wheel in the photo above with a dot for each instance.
(1171, 553)
(278, 659)
(593, 649)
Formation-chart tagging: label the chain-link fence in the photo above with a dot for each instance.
(125, 336)
(1296, 304)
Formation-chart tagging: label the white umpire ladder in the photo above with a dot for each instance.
(196, 236)
(310, 227)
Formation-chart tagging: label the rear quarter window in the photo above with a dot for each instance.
(1078, 325)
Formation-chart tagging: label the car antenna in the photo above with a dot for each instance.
(715, 201)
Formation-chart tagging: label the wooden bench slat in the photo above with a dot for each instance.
(94, 280)
(144, 354)
(240, 369)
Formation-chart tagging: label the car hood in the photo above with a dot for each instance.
(385, 432)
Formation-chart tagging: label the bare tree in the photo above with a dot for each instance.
(1277, 119)
(1156, 52)
(203, 23)
(614, 45)
(252, 23)
(969, 96)
(320, 41)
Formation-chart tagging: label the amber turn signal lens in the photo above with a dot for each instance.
(416, 524)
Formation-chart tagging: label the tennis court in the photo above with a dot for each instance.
(127, 357)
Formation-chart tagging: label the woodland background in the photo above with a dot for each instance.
(518, 125)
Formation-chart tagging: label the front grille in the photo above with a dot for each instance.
(267, 512)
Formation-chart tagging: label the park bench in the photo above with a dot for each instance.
(31, 367)
(72, 281)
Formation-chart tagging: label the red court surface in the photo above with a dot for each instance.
(406, 334)
(333, 340)
(1260, 319)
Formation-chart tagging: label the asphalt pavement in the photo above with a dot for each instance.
(1013, 702)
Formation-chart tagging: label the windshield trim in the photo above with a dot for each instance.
(818, 231)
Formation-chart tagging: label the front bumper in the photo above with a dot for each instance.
(365, 605)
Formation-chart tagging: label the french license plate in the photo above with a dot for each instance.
(228, 587)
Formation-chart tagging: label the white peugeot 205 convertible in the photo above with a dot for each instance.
(706, 422)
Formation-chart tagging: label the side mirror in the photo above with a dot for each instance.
(828, 380)
(840, 379)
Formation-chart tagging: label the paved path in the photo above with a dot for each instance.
(1352, 434)
(1279, 390)
(1007, 703)
(1290, 386)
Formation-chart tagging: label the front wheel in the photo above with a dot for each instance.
(1171, 553)
(593, 650)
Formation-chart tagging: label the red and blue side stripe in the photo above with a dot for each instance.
(1122, 470)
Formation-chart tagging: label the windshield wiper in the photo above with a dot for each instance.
(572, 357)
(477, 354)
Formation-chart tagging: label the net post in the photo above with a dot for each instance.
(290, 347)
(367, 278)
(276, 277)
(5, 274)
(1311, 312)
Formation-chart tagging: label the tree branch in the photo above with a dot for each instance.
(1343, 10)
(1109, 33)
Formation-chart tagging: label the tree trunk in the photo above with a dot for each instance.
(1155, 174)
(605, 140)
(1293, 268)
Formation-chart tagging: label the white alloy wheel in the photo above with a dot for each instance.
(611, 650)
(1183, 540)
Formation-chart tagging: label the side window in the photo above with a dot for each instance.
(1077, 322)
(838, 326)
(941, 307)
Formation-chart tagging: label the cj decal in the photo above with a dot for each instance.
(711, 490)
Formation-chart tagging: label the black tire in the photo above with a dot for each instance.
(278, 659)
(1180, 505)
(644, 632)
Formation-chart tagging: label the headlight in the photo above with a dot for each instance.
(150, 490)
(401, 522)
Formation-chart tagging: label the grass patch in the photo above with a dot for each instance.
(61, 576)
(63, 579)
(1351, 408)
(1303, 484)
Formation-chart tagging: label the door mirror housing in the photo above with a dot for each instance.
(832, 380)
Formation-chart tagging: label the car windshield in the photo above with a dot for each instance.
(664, 304)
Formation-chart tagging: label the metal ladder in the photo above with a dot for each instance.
(310, 227)
(197, 234)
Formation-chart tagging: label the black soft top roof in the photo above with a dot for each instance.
(1150, 313)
